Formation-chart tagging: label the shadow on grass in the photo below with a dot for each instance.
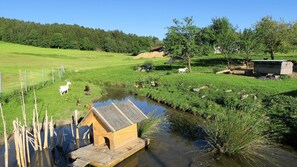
(291, 93)
(216, 62)
(167, 67)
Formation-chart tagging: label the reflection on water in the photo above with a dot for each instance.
(180, 142)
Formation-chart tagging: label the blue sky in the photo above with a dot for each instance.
(147, 18)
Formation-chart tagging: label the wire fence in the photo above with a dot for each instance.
(11, 81)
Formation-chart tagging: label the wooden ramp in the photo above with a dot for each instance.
(103, 156)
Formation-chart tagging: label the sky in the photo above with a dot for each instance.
(146, 18)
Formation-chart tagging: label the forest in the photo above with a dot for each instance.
(73, 37)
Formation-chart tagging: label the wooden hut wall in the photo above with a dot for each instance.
(125, 135)
(100, 132)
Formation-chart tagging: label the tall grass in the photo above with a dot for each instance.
(150, 125)
(237, 133)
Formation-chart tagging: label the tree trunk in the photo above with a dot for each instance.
(189, 64)
(272, 54)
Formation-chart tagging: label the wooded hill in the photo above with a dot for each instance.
(72, 37)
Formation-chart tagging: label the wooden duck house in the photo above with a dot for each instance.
(114, 125)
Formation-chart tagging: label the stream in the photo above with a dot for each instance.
(177, 143)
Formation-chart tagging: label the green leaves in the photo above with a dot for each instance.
(273, 35)
(180, 40)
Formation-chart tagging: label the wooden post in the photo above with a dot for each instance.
(45, 144)
(5, 137)
(16, 137)
(51, 128)
(35, 132)
(37, 122)
(76, 125)
(53, 76)
(25, 137)
(21, 149)
(24, 143)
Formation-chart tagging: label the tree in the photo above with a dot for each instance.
(226, 38)
(56, 40)
(273, 35)
(180, 40)
(293, 36)
(247, 43)
(32, 37)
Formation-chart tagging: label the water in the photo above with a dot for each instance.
(176, 144)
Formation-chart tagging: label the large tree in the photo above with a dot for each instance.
(180, 40)
(273, 35)
(226, 38)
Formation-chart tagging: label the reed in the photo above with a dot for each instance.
(149, 125)
(237, 133)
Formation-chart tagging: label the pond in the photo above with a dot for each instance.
(178, 142)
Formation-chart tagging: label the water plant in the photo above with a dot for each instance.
(237, 133)
(149, 125)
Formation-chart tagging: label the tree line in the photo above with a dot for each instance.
(185, 40)
(73, 37)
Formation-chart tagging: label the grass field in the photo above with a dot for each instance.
(15, 58)
(96, 68)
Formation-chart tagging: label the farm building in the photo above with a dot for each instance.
(158, 49)
(277, 67)
(114, 125)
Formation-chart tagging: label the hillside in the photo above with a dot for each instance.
(15, 57)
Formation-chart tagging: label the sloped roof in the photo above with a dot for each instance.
(118, 116)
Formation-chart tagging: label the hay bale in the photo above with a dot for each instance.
(148, 55)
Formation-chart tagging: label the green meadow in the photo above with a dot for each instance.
(16, 57)
(98, 69)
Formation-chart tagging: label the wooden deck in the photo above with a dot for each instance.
(103, 156)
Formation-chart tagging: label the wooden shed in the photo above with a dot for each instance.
(277, 67)
(114, 125)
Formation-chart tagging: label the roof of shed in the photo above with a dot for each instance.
(118, 116)
(268, 60)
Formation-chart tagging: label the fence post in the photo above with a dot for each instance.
(53, 77)
(25, 78)
(42, 77)
(63, 70)
(59, 73)
(0, 84)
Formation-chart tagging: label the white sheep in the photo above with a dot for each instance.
(64, 89)
(182, 70)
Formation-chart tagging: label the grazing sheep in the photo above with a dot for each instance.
(64, 89)
(182, 70)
